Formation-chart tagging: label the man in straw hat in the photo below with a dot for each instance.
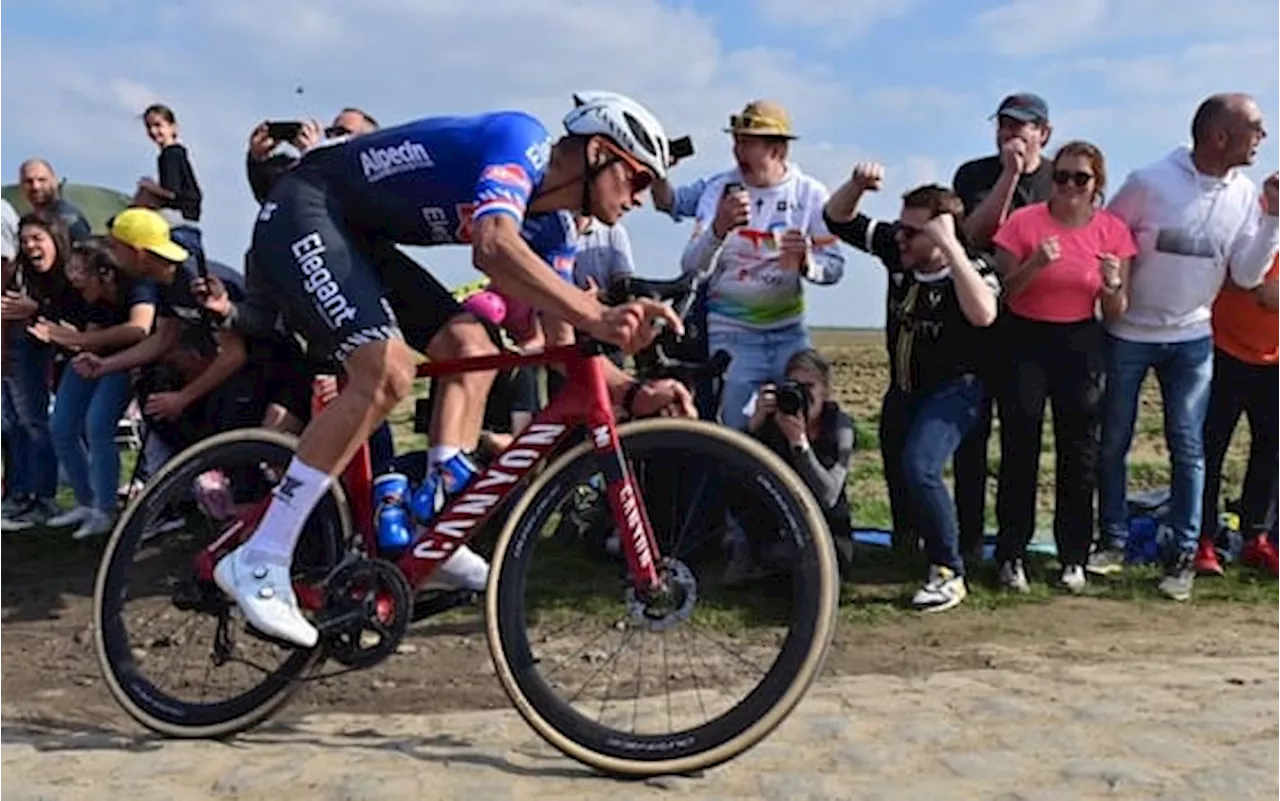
(760, 229)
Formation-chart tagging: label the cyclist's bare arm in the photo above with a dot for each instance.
(499, 251)
(231, 357)
(559, 332)
(163, 338)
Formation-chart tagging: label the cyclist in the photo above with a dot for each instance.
(325, 242)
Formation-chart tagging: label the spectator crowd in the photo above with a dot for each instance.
(1027, 282)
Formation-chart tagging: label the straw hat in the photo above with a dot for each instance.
(762, 118)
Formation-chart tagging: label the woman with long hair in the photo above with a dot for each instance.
(36, 288)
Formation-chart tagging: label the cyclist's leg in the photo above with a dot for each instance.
(458, 401)
(330, 294)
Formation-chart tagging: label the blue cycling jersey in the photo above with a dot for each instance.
(426, 182)
(554, 237)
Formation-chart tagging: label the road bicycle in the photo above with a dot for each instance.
(363, 601)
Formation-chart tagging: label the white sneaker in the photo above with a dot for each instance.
(1013, 576)
(73, 517)
(264, 593)
(943, 590)
(465, 570)
(1073, 578)
(94, 524)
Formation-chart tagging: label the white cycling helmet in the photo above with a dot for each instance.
(627, 123)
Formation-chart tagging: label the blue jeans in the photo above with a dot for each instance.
(34, 470)
(921, 433)
(1185, 373)
(758, 356)
(88, 410)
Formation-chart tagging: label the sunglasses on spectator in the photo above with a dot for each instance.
(1081, 179)
(334, 131)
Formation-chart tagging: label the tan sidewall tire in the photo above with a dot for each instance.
(811, 666)
(113, 683)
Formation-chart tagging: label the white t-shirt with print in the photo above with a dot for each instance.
(750, 288)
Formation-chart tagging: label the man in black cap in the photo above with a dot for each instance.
(990, 188)
(1016, 176)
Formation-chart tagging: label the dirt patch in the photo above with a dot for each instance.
(51, 669)
(51, 672)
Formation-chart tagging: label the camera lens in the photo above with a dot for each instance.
(793, 398)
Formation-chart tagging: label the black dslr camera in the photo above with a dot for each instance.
(794, 398)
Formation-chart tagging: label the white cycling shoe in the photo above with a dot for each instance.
(264, 593)
(465, 570)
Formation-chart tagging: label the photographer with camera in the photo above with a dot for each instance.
(798, 420)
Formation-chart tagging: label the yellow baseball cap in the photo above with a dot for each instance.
(146, 230)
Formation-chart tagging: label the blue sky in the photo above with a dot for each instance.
(909, 83)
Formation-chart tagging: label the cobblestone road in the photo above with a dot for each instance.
(1039, 730)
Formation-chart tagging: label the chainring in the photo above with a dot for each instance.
(369, 605)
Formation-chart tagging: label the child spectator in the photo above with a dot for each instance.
(177, 196)
(1058, 260)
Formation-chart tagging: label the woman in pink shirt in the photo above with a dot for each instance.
(1064, 262)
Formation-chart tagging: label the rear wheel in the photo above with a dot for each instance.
(150, 607)
(544, 590)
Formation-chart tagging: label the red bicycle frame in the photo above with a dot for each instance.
(584, 400)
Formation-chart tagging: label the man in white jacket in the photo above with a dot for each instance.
(1197, 221)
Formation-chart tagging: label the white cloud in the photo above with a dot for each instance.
(914, 103)
(1195, 70)
(1033, 27)
(131, 96)
(840, 20)
(1029, 28)
(224, 66)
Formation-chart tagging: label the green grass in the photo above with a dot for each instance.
(882, 582)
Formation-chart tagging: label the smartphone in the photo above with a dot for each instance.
(283, 131)
(681, 148)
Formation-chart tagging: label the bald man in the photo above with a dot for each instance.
(39, 186)
(1199, 222)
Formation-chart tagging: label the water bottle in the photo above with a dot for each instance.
(443, 481)
(395, 529)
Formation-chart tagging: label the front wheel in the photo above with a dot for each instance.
(707, 490)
